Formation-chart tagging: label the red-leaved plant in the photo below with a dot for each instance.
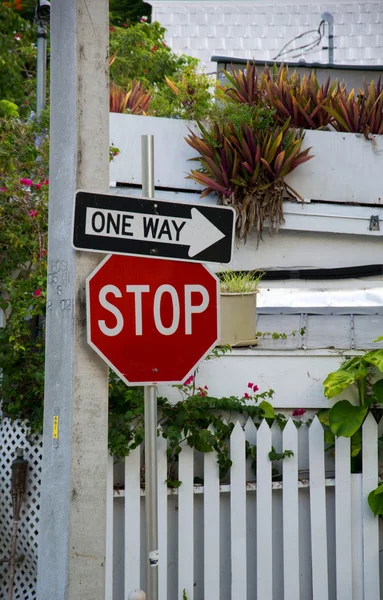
(244, 87)
(303, 101)
(246, 167)
(136, 100)
(359, 113)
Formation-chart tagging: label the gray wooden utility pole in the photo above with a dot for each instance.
(72, 534)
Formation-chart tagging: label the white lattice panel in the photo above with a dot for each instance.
(13, 436)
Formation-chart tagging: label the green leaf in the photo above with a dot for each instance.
(375, 500)
(323, 416)
(268, 411)
(173, 483)
(338, 381)
(345, 419)
(356, 443)
(329, 437)
(375, 357)
(377, 390)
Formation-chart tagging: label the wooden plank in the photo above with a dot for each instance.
(162, 518)
(318, 512)
(264, 514)
(109, 532)
(186, 524)
(370, 523)
(132, 521)
(357, 536)
(211, 526)
(238, 514)
(291, 574)
(343, 521)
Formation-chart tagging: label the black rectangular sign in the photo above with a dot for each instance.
(157, 228)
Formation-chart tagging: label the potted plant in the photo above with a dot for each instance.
(238, 308)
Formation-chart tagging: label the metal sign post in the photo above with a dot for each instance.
(150, 399)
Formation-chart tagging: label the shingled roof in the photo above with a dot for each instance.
(260, 29)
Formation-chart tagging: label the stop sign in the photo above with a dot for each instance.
(152, 320)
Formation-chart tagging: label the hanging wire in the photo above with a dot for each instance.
(305, 48)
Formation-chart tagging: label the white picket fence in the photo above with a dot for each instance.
(299, 538)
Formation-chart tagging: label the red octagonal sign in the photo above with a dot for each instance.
(152, 320)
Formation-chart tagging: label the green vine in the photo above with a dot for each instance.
(199, 420)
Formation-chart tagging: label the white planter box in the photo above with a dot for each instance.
(295, 376)
(346, 167)
(171, 152)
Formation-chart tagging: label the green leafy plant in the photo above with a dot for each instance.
(17, 59)
(246, 167)
(141, 53)
(187, 95)
(345, 419)
(239, 282)
(24, 149)
(8, 109)
(196, 420)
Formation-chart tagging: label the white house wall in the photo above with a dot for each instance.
(260, 29)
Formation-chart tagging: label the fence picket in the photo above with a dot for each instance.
(238, 513)
(186, 524)
(211, 526)
(264, 514)
(343, 546)
(109, 532)
(162, 518)
(132, 521)
(357, 536)
(318, 512)
(370, 523)
(290, 514)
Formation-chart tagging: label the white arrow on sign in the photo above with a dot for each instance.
(198, 232)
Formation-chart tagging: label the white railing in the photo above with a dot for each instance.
(312, 538)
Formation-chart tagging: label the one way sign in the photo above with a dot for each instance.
(157, 228)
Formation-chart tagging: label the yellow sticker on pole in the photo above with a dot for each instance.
(56, 427)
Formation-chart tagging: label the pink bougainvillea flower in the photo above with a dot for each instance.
(45, 182)
(33, 213)
(37, 186)
(42, 253)
(26, 181)
(189, 380)
(37, 293)
(154, 48)
(144, 19)
(246, 395)
(2, 189)
(111, 28)
(250, 385)
(255, 388)
(298, 412)
(205, 387)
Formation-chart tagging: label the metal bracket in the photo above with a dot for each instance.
(374, 223)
